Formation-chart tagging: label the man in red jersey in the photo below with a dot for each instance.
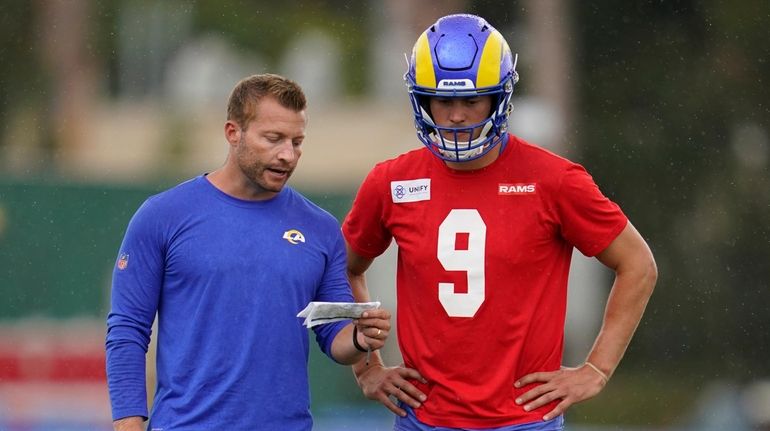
(485, 225)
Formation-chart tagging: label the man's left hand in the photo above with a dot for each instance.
(570, 385)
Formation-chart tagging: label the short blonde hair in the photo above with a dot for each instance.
(245, 97)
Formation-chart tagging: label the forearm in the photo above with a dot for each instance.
(343, 349)
(358, 285)
(627, 301)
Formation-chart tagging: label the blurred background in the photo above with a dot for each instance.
(665, 102)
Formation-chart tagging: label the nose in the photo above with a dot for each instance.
(457, 112)
(287, 152)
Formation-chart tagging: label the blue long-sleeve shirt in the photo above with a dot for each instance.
(226, 278)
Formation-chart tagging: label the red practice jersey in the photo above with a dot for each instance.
(483, 261)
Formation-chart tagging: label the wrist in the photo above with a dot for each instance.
(361, 370)
(605, 377)
(356, 344)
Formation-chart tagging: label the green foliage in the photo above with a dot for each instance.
(267, 27)
(668, 89)
(20, 75)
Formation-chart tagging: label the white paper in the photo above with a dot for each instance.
(317, 313)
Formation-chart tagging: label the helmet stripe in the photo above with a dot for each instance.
(425, 76)
(489, 65)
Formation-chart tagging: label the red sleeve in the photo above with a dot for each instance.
(364, 227)
(588, 219)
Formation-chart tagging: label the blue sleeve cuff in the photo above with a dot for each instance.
(325, 335)
(127, 413)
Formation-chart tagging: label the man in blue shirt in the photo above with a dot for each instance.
(226, 260)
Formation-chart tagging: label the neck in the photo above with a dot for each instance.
(232, 182)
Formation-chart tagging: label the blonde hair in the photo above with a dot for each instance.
(245, 97)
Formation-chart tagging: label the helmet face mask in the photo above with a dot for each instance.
(461, 56)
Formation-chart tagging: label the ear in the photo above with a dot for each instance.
(232, 132)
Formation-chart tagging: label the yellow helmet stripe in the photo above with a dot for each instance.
(489, 66)
(425, 76)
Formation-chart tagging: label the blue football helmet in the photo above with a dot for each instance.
(461, 56)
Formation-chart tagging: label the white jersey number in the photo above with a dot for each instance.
(471, 261)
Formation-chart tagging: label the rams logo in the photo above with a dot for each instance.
(516, 189)
(294, 236)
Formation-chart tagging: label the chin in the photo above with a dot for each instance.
(274, 187)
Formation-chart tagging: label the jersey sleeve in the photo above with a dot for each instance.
(588, 219)
(334, 288)
(363, 227)
(136, 284)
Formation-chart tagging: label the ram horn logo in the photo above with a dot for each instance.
(294, 236)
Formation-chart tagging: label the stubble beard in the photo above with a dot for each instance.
(256, 173)
(257, 176)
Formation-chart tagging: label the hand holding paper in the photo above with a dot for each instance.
(318, 313)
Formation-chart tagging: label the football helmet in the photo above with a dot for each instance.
(461, 56)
